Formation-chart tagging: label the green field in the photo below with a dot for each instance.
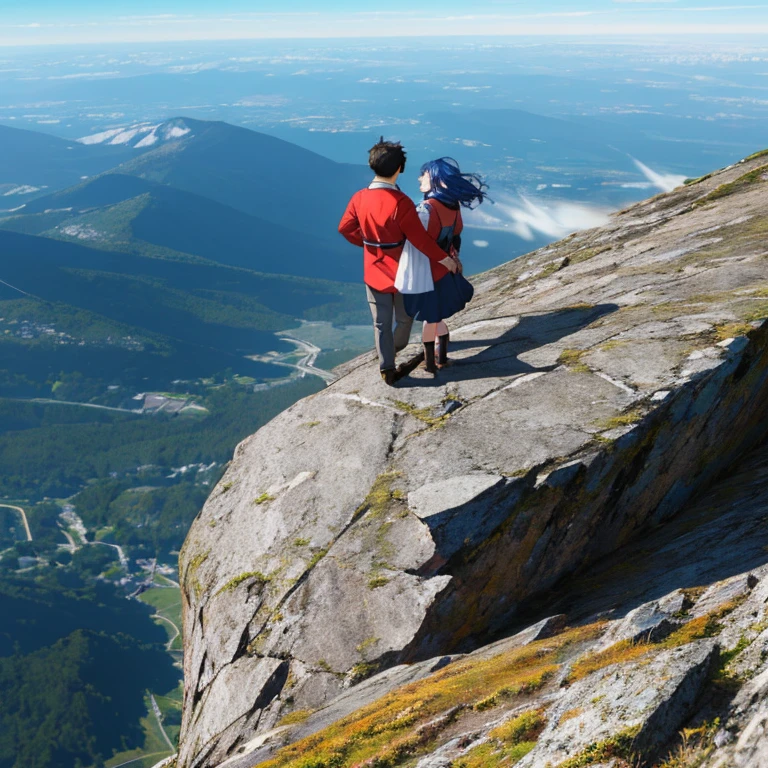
(166, 600)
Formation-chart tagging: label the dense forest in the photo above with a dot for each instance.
(55, 450)
(75, 660)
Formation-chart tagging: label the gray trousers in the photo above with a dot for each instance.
(386, 307)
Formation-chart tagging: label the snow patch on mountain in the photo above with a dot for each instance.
(140, 135)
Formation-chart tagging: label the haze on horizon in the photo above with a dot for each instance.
(41, 22)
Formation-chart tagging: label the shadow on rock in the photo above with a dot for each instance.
(720, 534)
(499, 356)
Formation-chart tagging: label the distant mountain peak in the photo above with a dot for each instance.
(141, 135)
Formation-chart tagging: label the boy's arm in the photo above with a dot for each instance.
(349, 226)
(408, 219)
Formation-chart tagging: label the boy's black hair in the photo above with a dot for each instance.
(386, 157)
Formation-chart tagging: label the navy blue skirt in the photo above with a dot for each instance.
(451, 294)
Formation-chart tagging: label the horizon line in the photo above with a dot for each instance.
(714, 31)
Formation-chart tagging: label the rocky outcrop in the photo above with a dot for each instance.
(594, 693)
(596, 385)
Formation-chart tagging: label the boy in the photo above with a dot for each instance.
(380, 218)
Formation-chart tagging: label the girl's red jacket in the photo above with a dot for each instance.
(440, 216)
(384, 214)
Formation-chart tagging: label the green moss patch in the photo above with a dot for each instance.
(379, 497)
(233, 584)
(571, 358)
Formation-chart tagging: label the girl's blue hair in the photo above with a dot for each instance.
(452, 186)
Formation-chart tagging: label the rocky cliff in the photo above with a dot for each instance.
(597, 385)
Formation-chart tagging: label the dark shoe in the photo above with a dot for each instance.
(442, 350)
(389, 375)
(429, 357)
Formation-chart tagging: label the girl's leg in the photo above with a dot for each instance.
(442, 344)
(429, 332)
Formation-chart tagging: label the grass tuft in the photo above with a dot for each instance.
(619, 653)
(619, 745)
(732, 330)
(509, 742)
(293, 718)
(622, 420)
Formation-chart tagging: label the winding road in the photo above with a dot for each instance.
(120, 554)
(23, 517)
(305, 366)
(173, 624)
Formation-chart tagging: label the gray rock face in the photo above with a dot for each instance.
(653, 698)
(367, 527)
(651, 621)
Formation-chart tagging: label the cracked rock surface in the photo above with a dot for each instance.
(602, 381)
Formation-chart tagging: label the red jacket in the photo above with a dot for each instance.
(384, 214)
(440, 215)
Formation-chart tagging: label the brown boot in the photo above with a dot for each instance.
(442, 350)
(429, 357)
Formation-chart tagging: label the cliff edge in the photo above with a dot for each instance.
(597, 384)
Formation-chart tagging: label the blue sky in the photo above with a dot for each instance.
(99, 21)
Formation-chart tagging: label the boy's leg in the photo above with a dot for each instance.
(382, 311)
(403, 323)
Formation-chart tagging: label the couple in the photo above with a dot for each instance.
(381, 219)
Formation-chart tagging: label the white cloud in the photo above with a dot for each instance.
(528, 218)
(666, 182)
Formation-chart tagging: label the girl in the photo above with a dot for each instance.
(446, 189)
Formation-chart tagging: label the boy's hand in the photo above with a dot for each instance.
(449, 263)
(455, 254)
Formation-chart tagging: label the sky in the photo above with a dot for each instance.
(35, 22)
